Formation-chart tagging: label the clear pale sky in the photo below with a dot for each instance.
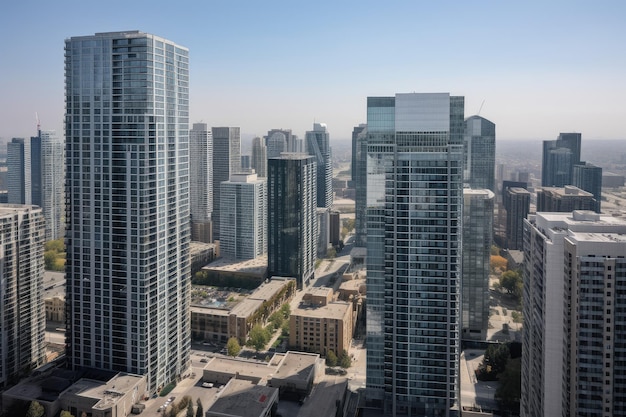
(539, 67)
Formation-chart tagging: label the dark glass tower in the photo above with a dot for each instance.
(291, 218)
(359, 181)
(318, 145)
(559, 158)
(588, 177)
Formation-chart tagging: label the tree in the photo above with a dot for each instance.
(49, 257)
(495, 250)
(232, 347)
(190, 409)
(331, 358)
(65, 413)
(511, 281)
(496, 357)
(498, 263)
(199, 410)
(54, 245)
(344, 360)
(510, 390)
(35, 410)
(258, 337)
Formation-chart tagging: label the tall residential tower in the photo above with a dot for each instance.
(414, 226)
(318, 145)
(226, 162)
(201, 182)
(127, 159)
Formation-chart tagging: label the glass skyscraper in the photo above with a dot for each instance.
(127, 160)
(226, 162)
(559, 158)
(359, 182)
(201, 182)
(291, 218)
(479, 155)
(318, 145)
(414, 216)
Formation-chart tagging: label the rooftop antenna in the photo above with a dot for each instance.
(481, 107)
(38, 122)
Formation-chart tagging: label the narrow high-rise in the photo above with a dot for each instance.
(259, 157)
(559, 158)
(479, 142)
(127, 160)
(19, 175)
(318, 145)
(22, 311)
(477, 235)
(53, 183)
(226, 162)
(201, 182)
(244, 217)
(414, 227)
(291, 219)
(359, 181)
(588, 177)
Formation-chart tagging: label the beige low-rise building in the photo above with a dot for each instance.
(55, 309)
(322, 328)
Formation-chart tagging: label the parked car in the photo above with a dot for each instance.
(207, 384)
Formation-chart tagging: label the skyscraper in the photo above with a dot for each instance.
(359, 180)
(201, 182)
(244, 217)
(127, 150)
(36, 174)
(559, 158)
(292, 226)
(277, 141)
(318, 145)
(516, 202)
(226, 162)
(414, 216)
(574, 355)
(588, 177)
(479, 142)
(22, 313)
(259, 157)
(564, 200)
(52, 183)
(19, 185)
(477, 234)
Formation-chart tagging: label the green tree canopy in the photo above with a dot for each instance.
(496, 357)
(331, 358)
(258, 337)
(344, 360)
(232, 347)
(66, 413)
(35, 410)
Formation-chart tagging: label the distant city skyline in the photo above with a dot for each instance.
(534, 69)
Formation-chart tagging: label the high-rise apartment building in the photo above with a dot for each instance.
(22, 310)
(259, 157)
(477, 235)
(414, 226)
(574, 349)
(564, 200)
(201, 182)
(318, 145)
(479, 142)
(588, 177)
(127, 160)
(292, 223)
(53, 183)
(243, 225)
(19, 174)
(559, 158)
(226, 162)
(516, 202)
(359, 180)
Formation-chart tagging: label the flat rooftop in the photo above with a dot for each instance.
(107, 393)
(231, 366)
(333, 310)
(296, 366)
(256, 266)
(319, 291)
(323, 398)
(243, 399)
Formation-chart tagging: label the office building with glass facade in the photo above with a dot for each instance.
(559, 158)
(479, 143)
(201, 182)
(414, 226)
(226, 162)
(127, 160)
(318, 145)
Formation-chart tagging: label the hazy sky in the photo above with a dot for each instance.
(540, 67)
